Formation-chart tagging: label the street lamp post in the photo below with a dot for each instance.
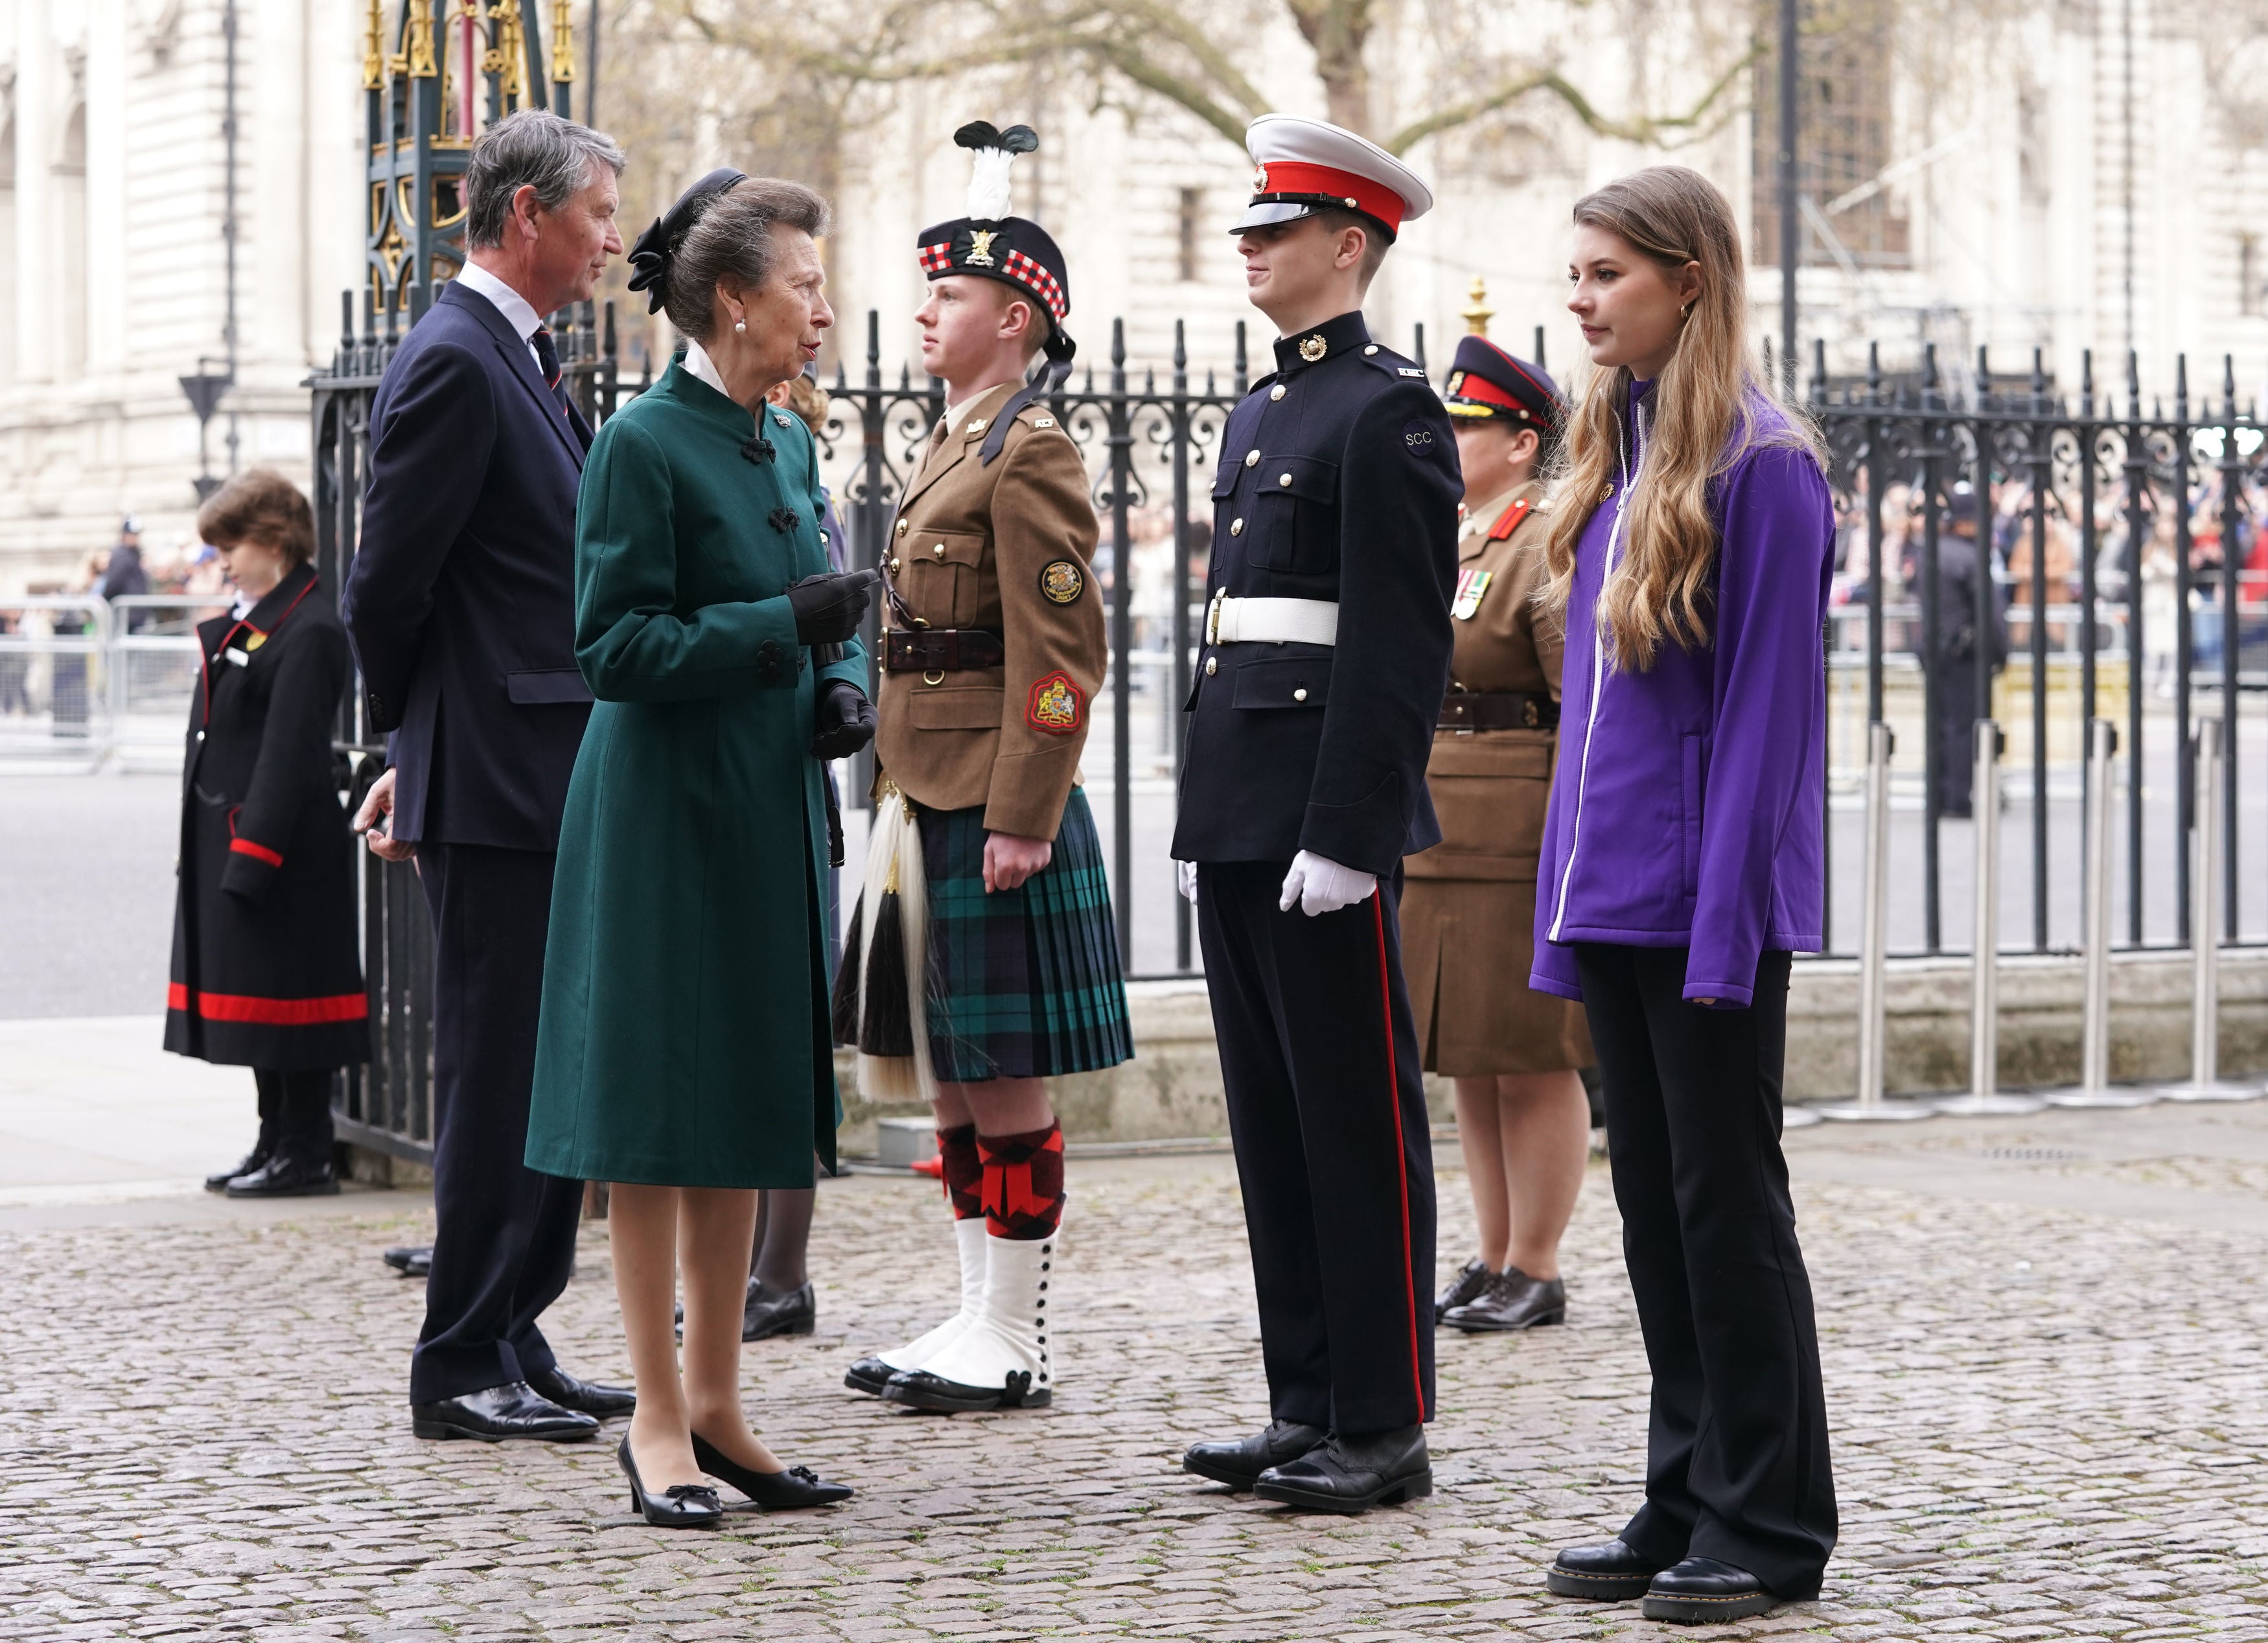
(1790, 234)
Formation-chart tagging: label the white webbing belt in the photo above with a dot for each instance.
(1271, 621)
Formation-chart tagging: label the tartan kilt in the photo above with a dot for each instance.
(1024, 984)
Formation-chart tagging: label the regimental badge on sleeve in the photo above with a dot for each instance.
(1471, 586)
(1062, 582)
(1056, 707)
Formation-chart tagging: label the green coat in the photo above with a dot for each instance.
(684, 1038)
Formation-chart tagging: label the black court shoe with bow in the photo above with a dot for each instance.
(681, 1506)
(787, 1491)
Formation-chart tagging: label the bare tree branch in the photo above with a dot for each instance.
(1646, 129)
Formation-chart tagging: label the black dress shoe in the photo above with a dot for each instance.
(252, 1160)
(1702, 1589)
(492, 1414)
(1466, 1287)
(1512, 1301)
(681, 1506)
(411, 1260)
(771, 1492)
(1240, 1465)
(568, 1393)
(1611, 1573)
(286, 1177)
(769, 1312)
(1349, 1475)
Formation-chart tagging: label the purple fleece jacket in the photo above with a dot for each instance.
(1689, 801)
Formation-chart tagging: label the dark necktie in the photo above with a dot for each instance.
(547, 358)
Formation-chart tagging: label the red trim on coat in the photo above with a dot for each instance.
(258, 853)
(1401, 1153)
(204, 662)
(243, 1007)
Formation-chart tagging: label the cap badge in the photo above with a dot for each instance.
(1313, 347)
(980, 248)
(1260, 181)
(1456, 380)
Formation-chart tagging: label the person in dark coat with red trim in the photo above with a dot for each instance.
(266, 970)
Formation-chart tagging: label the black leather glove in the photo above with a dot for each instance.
(843, 722)
(828, 607)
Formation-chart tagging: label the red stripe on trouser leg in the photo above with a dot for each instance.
(964, 1171)
(1401, 1151)
(1023, 1182)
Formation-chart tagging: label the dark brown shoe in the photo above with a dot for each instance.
(1512, 1301)
(1466, 1285)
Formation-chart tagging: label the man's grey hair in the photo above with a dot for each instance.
(536, 149)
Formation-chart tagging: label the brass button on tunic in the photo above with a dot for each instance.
(1469, 904)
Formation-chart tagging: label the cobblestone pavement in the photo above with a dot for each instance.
(2048, 1425)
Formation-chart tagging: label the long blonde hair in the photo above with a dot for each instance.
(1708, 408)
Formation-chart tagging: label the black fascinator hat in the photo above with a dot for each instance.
(649, 256)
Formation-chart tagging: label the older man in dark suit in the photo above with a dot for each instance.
(460, 602)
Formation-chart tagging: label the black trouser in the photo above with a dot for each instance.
(295, 1113)
(1736, 1451)
(1327, 1105)
(1956, 734)
(503, 1238)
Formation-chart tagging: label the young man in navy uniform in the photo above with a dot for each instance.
(1326, 653)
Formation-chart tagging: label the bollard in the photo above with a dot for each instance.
(2204, 1081)
(2094, 1088)
(1984, 1099)
(1874, 942)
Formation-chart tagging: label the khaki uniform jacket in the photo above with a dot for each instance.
(1469, 909)
(1009, 548)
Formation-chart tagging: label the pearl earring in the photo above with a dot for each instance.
(741, 326)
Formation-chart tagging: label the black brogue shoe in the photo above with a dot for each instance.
(1238, 1464)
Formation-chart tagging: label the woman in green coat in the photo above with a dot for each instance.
(684, 1049)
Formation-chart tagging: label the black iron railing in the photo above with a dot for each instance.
(2116, 533)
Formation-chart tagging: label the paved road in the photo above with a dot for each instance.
(2042, 1337)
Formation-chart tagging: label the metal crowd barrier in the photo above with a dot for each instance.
(1872, 1107)
(54, 706)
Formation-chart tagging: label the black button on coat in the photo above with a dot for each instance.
(266, 970)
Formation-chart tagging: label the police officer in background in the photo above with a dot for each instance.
(1326, 655)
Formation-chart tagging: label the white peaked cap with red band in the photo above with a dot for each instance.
(1303, 165)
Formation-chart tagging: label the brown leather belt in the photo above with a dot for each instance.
(1498, 709)
(941, 650)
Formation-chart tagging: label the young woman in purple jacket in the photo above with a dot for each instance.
(1690, 543)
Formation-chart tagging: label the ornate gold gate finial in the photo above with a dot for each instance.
(562, 43)
(1477, 314)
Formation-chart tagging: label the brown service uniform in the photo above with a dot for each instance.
(1469, 907)
(1005, 548)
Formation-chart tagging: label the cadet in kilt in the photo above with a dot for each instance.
(985, 863)
(1326, 654)
(266, 970)
(1522, 1119)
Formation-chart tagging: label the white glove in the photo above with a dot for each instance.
(1186, 871)
(1319, 885)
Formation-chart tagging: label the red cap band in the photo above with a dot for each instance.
(1471, 385)
(1358, 192)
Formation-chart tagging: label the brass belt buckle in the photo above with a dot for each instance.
(1212, 618)
(1533, 716)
